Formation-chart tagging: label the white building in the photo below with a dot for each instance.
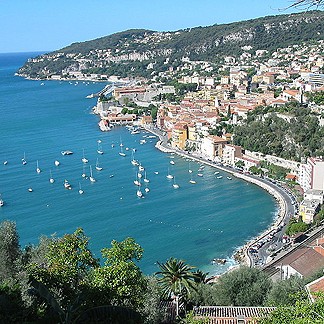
(230, 153)
(311, 174)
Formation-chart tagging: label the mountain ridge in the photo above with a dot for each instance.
(136, 48)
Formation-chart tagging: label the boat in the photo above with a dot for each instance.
(142, 141)
(23, 160)
(216, 172)
(156, 172)
(219, 261)
(121, 153)
(175, 185)
(229, 178)
(66, 152)
(141, 168)
(189, 170)
(67, 185)
(172, 162)
(147, 189)
(57, 163)
(98, 167)
(1, 201)
(191, 180)
(169, 176)
(200, 175)
(145, 178)
(80, 189)
(99, 148)
(219, 177)
(139, 175)
(92, 179)
(84, 159)
(30, 189)
(83, 175)
(139, 193)
(51, 179)
(38, 170)
(5, 162)
(133, 161)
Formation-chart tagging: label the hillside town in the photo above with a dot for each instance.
(223, 100)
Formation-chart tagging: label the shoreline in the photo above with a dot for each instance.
(241, 255)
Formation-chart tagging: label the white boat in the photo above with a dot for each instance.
(98, 167)
(67, 185)
(172, 162)
(30, 189)
(23, 160)
(219, 177)
(137, 183)
(99, 148)
(84, 159)
(139, 193)
(121, 153)
(83, 175)
(191, 180)
(66, 152)
(5, 162)
(200, 175)
(139, 175)
(141, 168)
(156, 172)
(38, 170)
(1, 201)
(147, 189)
(51, 179)
(91, 178)
(80, 189)
(169, 176)
(175, 185)
(216, 172)
(56, 163)
(145, 178)
(229, 178)
(133, 161)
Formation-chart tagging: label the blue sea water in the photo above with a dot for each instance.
(197, 223)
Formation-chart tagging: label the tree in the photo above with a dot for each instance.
(120, 281)
(243, 287)
(307, 4)
(287, 292)
(9, 252)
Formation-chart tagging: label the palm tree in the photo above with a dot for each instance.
(177, 279)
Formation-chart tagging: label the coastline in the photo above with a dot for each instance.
(241, 255)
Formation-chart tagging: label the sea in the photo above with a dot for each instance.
(196, 222)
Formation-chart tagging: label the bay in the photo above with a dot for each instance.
(197, 223)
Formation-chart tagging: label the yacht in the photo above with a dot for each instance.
(1, 201)
(66, 152)
(139, 193)
(38, 170)
(67, 185)
(56, 163)
(84, 159)
(92, 179)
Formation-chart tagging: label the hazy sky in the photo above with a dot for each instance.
(46, 25)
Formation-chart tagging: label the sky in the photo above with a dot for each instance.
(47, 25)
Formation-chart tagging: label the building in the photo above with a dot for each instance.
(308, 209)
(311, 174)
(179, 136)
(212, 147)
(230, 153)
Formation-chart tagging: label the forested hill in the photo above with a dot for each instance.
(200, 43)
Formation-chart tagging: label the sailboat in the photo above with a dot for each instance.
(121, 153)
(1, 201)
(133, 161)
(169, 176)
(5, 162)
(137, 182)
(83, 175)
(172, 162)
(99, 149)
(57, 163)
(51, 179)
(84, 159)
(145, 178)
(147, 189)
(38, 170)
(175, 185)
(67, 185)
(189, 170)
(23, 160)
(191, 180)
(98, 168)
(92, 179)
(80, 189)
(139, 193)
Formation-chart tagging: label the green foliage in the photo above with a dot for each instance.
(295, 227)
(9, 252)
(287, 292)
(176, 278)
(316, 97)
(242, 287)
(303, 312)
(191, 319)
(265, 132)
